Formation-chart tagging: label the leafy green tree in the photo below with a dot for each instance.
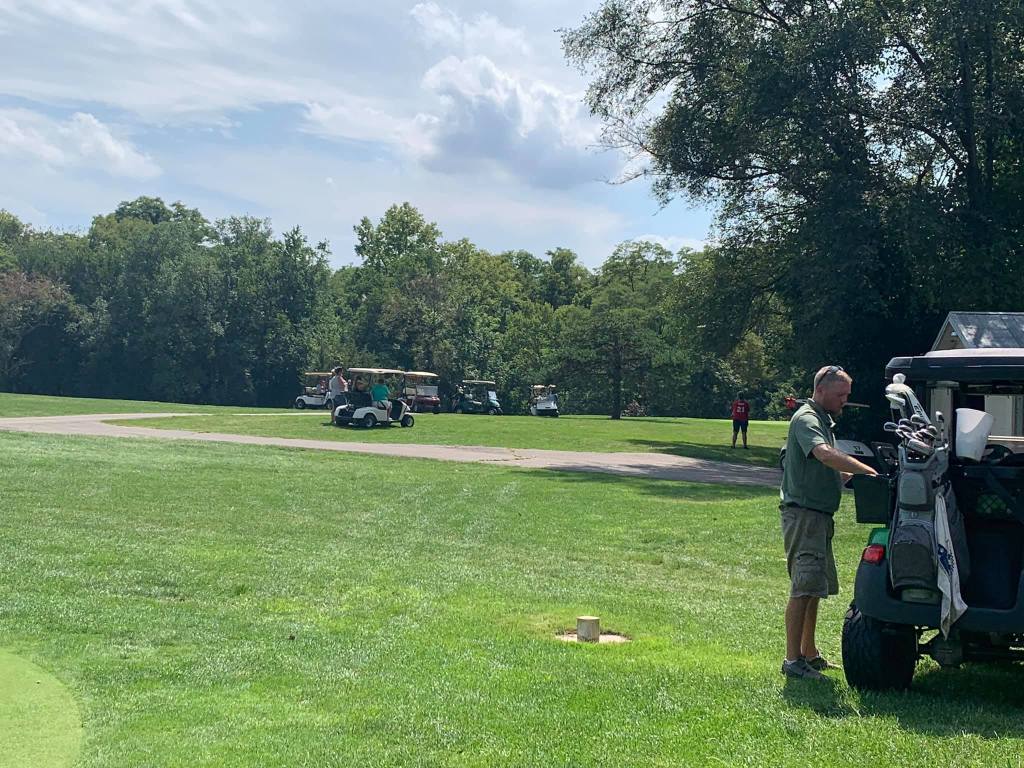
(615, 336)
(27, 304)
(864, 156)
(563, 279)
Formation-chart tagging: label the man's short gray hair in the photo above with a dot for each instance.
(830, 374)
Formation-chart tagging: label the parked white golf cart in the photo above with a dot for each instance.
(544, 400)
(315, 392)
(371, 400)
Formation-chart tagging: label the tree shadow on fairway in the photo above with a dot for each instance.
(669, 489)
(983, 700)
(757, 454)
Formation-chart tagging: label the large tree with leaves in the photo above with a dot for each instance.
(865, 155)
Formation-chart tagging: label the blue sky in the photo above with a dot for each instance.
(317, 114)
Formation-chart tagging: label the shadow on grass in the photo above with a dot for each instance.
(981, 699)
(680, 490)
(756, 454)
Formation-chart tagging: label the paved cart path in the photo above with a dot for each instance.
(651, 465)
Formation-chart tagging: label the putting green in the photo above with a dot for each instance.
(39, 722)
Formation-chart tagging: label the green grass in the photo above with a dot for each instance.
(39, 722)
(699, 438)
(239, 606)
(12, 405)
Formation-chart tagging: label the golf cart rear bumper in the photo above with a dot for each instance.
(874, 598)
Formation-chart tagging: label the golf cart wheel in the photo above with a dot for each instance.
(369, 421)
(491, 412)
(877, 656)
(437, 409)
(300, 404)
(458, 409)
(407, 420)
(555, 414)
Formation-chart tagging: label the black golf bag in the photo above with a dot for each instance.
(913, 549)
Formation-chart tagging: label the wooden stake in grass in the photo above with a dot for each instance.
(588, 629)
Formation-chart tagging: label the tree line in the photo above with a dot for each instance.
(156, 302)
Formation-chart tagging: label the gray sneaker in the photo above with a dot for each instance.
(800, 668)
(820, 663)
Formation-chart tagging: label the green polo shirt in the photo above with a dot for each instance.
(807, 482)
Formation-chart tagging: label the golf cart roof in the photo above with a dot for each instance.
(422, 374)
(969, 365)
(543, 386)
(478, 381)
(378, 371)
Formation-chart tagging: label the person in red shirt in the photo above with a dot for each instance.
(740, 418)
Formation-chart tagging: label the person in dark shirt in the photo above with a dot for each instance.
(740, 418)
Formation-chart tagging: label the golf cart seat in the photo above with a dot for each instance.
(360, 399)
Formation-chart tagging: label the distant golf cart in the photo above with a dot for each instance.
(420, 391)
(315, 392)
(477, 396)
(544, 400)
(369, 401)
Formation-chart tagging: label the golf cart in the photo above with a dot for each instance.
(943, 571)
(544, 400)
(477, 396)
(315, 393)
(369, 401)
(420, 391)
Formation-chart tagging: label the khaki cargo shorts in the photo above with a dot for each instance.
(807, 535)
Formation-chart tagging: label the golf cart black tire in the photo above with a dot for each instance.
(407, 420)
(369, 421)
(458, 409)
(492, 412)
(300, 404)
(437, 409)
(877, 656)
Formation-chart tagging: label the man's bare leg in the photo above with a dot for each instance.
(808, 648)
(796, 613)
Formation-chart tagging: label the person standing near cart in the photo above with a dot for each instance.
(338, 384)
(813, 473)
(740, 418)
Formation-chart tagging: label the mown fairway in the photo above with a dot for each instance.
(240, 606)
(699, 438)
(13, 406)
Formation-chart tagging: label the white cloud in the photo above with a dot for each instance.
(81, 141)
(289, 183)
(490, 118)
(485, 34)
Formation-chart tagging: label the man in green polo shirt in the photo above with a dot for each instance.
(812, 478)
